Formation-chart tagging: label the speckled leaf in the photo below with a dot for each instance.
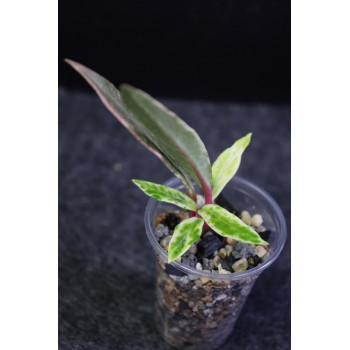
(111, 98)
(229, 225)
(185, 234)
(173, 136)
(227, 164)
(166, 194)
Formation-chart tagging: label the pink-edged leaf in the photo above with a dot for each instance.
(173, 136)
(111, 98)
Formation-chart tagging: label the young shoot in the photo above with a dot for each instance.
(182, 151)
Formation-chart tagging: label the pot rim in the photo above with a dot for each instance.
(281, 235)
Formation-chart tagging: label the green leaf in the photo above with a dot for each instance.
(228, 225)
(166, 194)
(173, 136)
(227, 164)
(185, 234)
(111, 98)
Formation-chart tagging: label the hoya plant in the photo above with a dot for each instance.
(182, 151)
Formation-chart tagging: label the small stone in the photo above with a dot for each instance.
(228, 249)
(199, 266)
(261, 229)
(164, 242)
(221, 297)
(225, 264)
(183, 305)
(191, 303)
(161, 231)
(205, 264)
(230, 259)
(240, 265)
(230, 241)
(260, 251)
(253, 261)
(198, 283)
(223, 271)
(216, 261)
(184, 279)
(204, 280)
(207, 312)
(222, 253)
(208, 245)
(189, 259)
(242, 250)
(245, 216)
(257, 220)
(212, 325)
(171, 220)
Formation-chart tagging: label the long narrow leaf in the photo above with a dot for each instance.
(228, 225)
(166, 194)
(227, 164)
(111, 98)
(172, 135)
(185, 234)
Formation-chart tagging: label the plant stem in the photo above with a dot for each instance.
(208, 195)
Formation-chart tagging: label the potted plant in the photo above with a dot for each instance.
(209, 253)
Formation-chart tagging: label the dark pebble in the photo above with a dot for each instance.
(171, 270)
(208, 245)
(223, 202)
(265, 235)
(183, 305)
(230, 259)
(226, 265)
(171, 221)
(253, 261)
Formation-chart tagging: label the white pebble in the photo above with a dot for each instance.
(245, 216)
(221, 297)
(261, 228)
(199, 266)
(257, 220)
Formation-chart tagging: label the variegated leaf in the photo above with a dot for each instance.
(166, 194)
(227, 164)
(185, 234)
(227, 224)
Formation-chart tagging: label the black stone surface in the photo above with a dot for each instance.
(106, 267)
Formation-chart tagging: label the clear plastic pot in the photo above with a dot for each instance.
(197, 309)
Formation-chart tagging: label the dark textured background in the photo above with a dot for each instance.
(209, 49)
(106, 267)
